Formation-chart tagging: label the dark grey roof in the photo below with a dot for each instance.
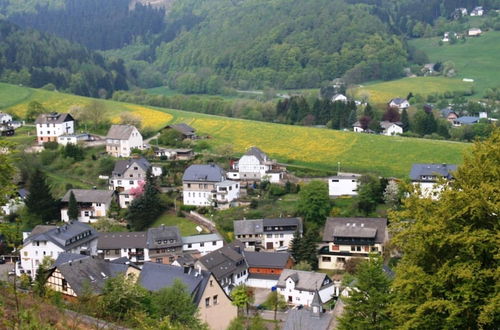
(246, 227)
(304, 280)
(266, 259)
(443, 170)
(120, 132)
(89, 272)
(303, 319)
(398, 100)
(156, 276)
(53, 118)
(387, 124)
(354, 232)
(66, 237)
(351, 226)
(122, 165)
(201, 238)
(65, 257)
(122, 240)
(168, 235)
(467, 120)
(204, 173)
(39, 229)
(183, 128)
(284, 222)
(186, 260)
(446, 112)
(90, 196)
(226, 260)
(254, 151)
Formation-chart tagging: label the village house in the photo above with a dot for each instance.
(391, 129)
(339, 98)
(264, 268)
(164, 244)
(52, 125)
(269, 234)
(449, 114)
(66, 139)
(465, 120)
(122, 139)
(254, 165)
(74, 275)
(477, 11)
(313, 318)
(348, 238)
(14, 203)
(399, 103)
(50, 241)
(173, 154)
(343, 184)
(202, 244)
(357, 128)
(298, 287)
(426, 176)
(214, 306)
(227, 264)
(206, 185)
(5, 118)
(128, 176)
(131, 245)
(92, 204)
(187, 131)
(474, 32)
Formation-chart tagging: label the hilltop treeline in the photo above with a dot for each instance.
(35, 59)
(97, 24)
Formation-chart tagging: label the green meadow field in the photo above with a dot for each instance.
(478, 58)
(381, 92)
(313, 148)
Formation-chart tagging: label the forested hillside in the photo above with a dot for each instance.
(32, 58)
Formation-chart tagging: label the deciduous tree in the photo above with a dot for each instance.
(314, 203)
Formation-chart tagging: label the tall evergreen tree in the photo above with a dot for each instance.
(40, 201)
(72, 207)
(367, 306)
(405, 120)
(369, 111)
(296, 246)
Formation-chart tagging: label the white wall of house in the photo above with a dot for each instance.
(328, 261)
(278, 240)
(227, 191)
(224, 194)
(233, 175)
(125, 183)
(87, 214)
(429, 189)
(50, 132)
(124, 200)
(302, 297)
(123, 148)
(5, 118)
(393, 130)
(65, 139)
(273, 177)
(198, 198)
(403, 105)
(358, 129)
(261, 283)
(203, 247)
(124, 252)
(343, 186)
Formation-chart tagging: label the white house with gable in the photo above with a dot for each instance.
(399, 103)
(425, 176)
(202, 243)
(298, 287)
(254, 165)
(52, 125)
(50, 241)
(5, 118)
(339, 98)
(92, 204)
(122, 139)
(391, 129)
(343, 184)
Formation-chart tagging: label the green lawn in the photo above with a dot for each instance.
(315, 148)
(477, 58)
(185, 226)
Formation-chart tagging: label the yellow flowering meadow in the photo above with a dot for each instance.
(149, 117)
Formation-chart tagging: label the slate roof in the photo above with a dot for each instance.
(90, 196)
(356, 226)
(204, 173)
(122, 165)
(183, 128)
(254, 151)
(226, 260)
(62, 236)
(65, 257)
(304, 280)
(168, 235)
(284, 222)
(201, 238)
(467, 120)
(156, 276)
(356, 124)
(398, 101)
(120, 132)
(122, 240)
(443, 170)
(387, 124)
(303, 319)
(256, 226)
(266, 259)
(186, 260)
(53, 118)
(89, 272)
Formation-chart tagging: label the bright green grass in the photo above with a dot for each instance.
(186, 227)
(382, 92)
(477, 58)
(314, 148)
(25, 135)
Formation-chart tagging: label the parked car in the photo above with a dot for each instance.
(12, 272)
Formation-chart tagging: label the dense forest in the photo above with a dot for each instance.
(96, 24)
(35, 59)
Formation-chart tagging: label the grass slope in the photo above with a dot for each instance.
(381, 92)
(476, 59)
(304, 146)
